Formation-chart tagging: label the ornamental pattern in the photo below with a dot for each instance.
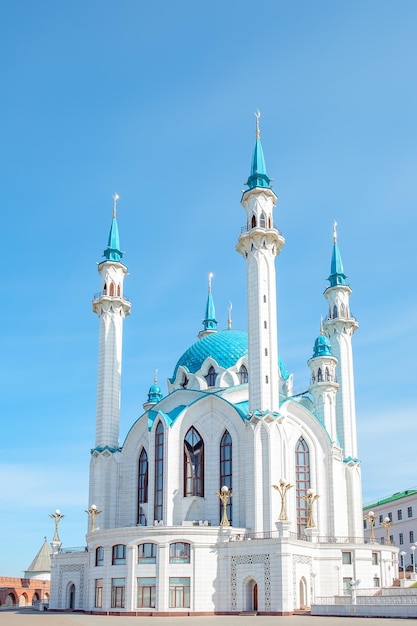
(71, 568)
(298, 558)
(249, 559)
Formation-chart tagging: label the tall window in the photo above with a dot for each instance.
(119, 554)
(179, 552)
(159, 472)
(193, 464)
(179, 593)
(410, 511)
(117, 593)
(146, 593)
(302, 478)
(142, 486)
(99, 556)
(226, 471)
(98, 601)
(243, 375)
(211, 377)
(399, 514)
(262, 221)
(147, 553)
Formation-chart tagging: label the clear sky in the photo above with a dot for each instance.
(155, 101)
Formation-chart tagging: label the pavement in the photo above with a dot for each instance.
(30, 617)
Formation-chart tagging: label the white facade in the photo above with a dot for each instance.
(164, 543)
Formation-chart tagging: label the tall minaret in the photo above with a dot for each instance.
(111, 307)
(339, 328)
(260, 243)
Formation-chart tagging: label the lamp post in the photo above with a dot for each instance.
(282, 489)
(403, 554)
(310, 498)
(413, 557)
(387, 523)
(224, 495)
(56, 541)
(92, 512)
(370, 518)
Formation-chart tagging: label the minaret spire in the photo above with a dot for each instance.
(210, 322)
(259, 244)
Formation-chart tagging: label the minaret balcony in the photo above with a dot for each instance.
(100, 294)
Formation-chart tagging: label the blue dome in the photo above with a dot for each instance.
(226, 347)
(155, 393)
(322, 347)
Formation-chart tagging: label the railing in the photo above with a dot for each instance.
(71, 550)
(369, 596)
(246, 229)
(275, 534)
(100, 293)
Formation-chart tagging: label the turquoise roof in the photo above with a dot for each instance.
(113, 252)
(337, 276)
(155, 393)
(258, 176)
(226, 347)
(322, 347)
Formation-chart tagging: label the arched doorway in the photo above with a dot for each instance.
(71, 596)
(23, 600)
(303, 593)
(10, 600)
(251, 595)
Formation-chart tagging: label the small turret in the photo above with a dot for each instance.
(155, 394)
(210, 322)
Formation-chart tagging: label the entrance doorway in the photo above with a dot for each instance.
(71, 596)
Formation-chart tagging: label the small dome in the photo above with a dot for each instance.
(322, 347)
(155, 393)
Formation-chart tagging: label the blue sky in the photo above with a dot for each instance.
(155, 101)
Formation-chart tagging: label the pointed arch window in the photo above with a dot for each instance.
(159, 472)
(193, 464)
(302, 483)
(243, 375)
(226, 474)
(143, 477)
(253, 222)
(105, 288)
(327, 374)
(118, 290)
(262, 221)
(112, 289)
(335, 312)
(211, 377)
(342, 310)
(319, 376)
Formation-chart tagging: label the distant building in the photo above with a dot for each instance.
(34, 587)
(399, 514)
(230, 493)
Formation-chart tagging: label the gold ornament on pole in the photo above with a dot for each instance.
(282, 489)
(310, 499)
(92, 513)
(224, 495)
(57, 517)
(370, 518)
(387, 523)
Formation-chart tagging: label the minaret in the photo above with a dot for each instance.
(323, 386)
(112, 307)
(260, 243)
(339, 328)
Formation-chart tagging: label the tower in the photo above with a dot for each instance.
(323, 386)
(259, 243)
(112, 307)
(339, 328)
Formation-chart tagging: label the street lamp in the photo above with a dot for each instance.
(92, 512)
(224, 495)
(310, 498)
(413, 557)
(282, 489)
(403, 554)
(387, 523)
(370, 518)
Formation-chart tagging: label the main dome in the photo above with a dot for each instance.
(226, 347)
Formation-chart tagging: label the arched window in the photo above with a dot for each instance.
(265, 324)
(118, 290)
(327, 374)
(253, 221)
(143, 476)
(179, 552)
(211, 377)
(112, 289)
(302, 483)
(267, 379)
(319, 376)
(226, 471)
(342, 310)
(313, 378)
(147, 552)
(105, 288)
(264, 298)
(193, 464)
(266, 351)
(159, 472)
(99, 556)
(119, 554)
(269, 222)
(262, 221)
(243, 375)
(334, 312)
(184, 381)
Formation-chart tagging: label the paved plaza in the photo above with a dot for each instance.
(28, 617)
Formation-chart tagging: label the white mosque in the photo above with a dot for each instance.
(229, 494)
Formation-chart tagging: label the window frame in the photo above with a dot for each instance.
(175, 555)
(144, 558)
(118, 554)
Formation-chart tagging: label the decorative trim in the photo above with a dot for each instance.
(249, 559)
(71, 568)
